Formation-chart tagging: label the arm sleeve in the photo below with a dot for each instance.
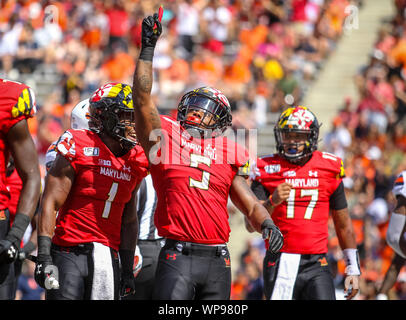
(338, 200)
(260, 191)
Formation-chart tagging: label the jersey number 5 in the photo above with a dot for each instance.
(313, 193)
(195, 160)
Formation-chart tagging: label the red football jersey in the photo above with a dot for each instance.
(303, 218)
(17, 102)
(103, 185)
(192, 181)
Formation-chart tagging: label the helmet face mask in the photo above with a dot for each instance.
(296, 134)
(113, 113)
(206, 111)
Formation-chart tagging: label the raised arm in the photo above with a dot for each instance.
(146, 114)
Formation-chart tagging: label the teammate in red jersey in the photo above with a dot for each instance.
(308, 184)
(93, 182)
(194, 170)
(17, 104)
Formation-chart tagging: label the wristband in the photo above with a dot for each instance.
(352, 262)
(271, 201)
(44, 245)
(29, 247)
(20, 224)
(147, 53)
(381, 296)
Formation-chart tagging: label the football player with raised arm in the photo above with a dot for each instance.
(89, 246)
(313, 182)
(17, 104)
(194, 168)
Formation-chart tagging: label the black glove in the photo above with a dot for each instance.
(9, 247)
(271, 231)
(46, 273)
(8, 252)
(127, 285)
(149, 36)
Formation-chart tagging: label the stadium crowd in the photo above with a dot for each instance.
(263, 54)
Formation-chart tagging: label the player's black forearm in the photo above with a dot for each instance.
(146, 113)
(245, 200)
(58, 183)
(26, 162)
(129, 226)
(129, 236)
(129, 223)
(344, 230)
(47, 217)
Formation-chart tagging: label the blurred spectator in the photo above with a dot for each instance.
(27, 288)
(187, 27)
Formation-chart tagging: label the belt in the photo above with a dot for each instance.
(83, 248)
(149, 240)
(190, 248)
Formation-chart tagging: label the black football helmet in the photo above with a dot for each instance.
(111, 111)
(213, 103)
(299, 120)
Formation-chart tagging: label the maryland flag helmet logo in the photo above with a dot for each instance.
(111, 111)
(299, 120)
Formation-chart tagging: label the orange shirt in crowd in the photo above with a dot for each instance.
(119, 67)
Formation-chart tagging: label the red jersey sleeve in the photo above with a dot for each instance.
(333, 166)
(66, 147)
(17, 101)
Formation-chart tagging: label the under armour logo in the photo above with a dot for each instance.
(313, 173)
(12, 252)
(171, 256)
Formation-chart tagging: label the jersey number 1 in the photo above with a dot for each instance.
(107, 204)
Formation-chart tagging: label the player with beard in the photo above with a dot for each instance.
(313, 182)
(92, 184)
